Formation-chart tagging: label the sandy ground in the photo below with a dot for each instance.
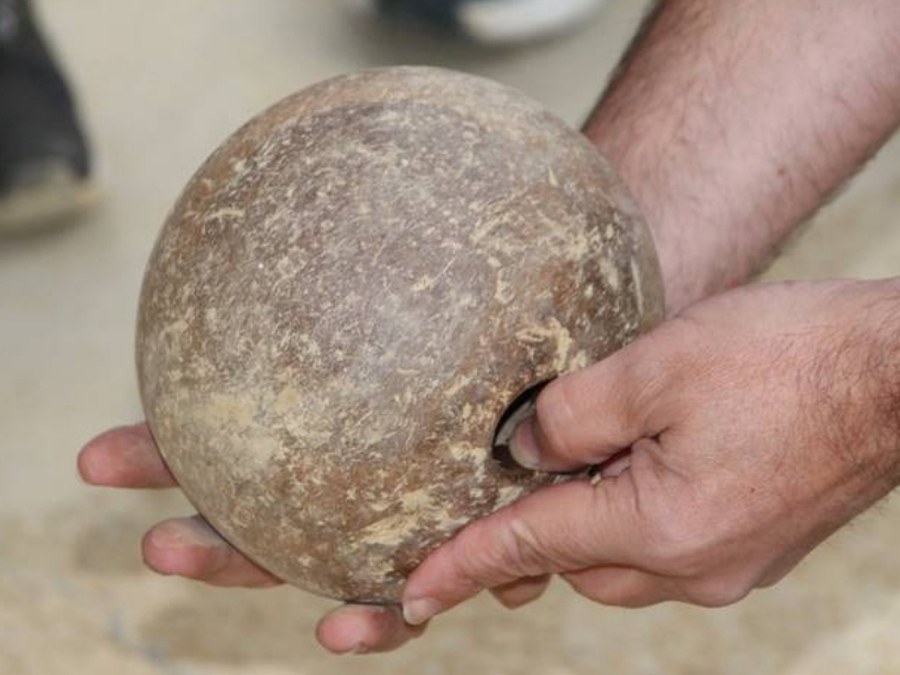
(162, 83)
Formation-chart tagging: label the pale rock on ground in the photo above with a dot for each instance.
(162, 83)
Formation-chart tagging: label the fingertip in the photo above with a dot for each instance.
(364, 629)
(184, 548)
(343, 630)
(530, 448)
(418, 612)
(85, 466)
(523, 445)
(153, 555)
(457, 571)
(90, 461)
(125, 457)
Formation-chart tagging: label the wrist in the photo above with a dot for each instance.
(858, 380)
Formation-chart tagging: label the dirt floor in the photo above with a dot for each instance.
(162, 83)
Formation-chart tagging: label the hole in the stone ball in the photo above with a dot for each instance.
(521, 408)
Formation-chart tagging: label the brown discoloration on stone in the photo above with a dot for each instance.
(349, 293)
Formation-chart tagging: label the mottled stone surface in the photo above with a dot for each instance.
(348, 295)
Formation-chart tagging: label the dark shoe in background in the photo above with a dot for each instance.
(492, 22)
(45, 169)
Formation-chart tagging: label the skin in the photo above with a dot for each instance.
(743, 431)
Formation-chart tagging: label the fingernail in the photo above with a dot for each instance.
(523, 446)
(417, 612)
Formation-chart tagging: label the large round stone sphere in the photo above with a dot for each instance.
(347, 297)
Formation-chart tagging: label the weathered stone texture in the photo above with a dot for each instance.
(348, 295)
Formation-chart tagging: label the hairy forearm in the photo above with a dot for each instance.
(732, 122)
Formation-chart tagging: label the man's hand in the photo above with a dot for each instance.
(732, 440)
(127, 457)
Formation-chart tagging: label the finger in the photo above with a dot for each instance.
(189, 547)
(365, 629)
(519, 593)
(125, 457)
(585, 417)
(622, 586)
(617, 464)
(628, 587)
(558, 529)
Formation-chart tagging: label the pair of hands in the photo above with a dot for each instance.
(734, 438)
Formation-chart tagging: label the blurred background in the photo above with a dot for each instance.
(160, 85)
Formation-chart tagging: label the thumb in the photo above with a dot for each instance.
(585, 417)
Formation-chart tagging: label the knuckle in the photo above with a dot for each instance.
(521, 549)
(513, 551)
(469, 566)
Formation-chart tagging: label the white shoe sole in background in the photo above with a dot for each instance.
(511, 21)
(501, 22)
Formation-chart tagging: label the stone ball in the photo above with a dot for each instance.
(354, 292)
